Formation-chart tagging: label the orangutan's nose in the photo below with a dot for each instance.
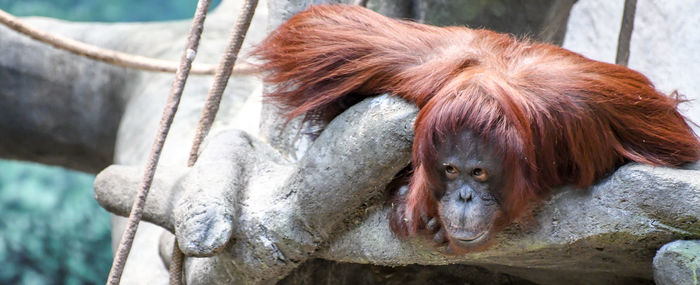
(465, 194)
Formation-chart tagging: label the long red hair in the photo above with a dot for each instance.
(553, 116)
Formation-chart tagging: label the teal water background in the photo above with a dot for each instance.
(52, 231)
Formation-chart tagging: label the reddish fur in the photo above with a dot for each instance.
(553, 116)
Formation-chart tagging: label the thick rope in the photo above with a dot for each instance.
(211, 107)
(176, 262)
(110, 56)
(623, 40)
(166, 121)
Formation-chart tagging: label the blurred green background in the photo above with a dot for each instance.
(52, 231)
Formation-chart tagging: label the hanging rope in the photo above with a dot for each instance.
(211, 107)
(181, 75)
(623, 40)
(176, 261)
(110, 56)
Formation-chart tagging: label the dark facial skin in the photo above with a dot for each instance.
(471, 201)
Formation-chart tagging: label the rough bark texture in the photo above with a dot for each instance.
(264, 210)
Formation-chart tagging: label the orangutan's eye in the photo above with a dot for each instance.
(451, 172)
(479, 174)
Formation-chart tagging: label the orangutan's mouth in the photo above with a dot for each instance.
(475, 239)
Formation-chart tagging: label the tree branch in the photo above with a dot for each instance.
(284, 212)
(238, 176)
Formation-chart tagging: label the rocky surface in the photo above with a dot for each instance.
(678, 263)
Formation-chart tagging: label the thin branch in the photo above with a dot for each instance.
(181, 75)
(623, 41)
(111, 56)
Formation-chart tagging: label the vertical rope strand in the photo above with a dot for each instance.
(176, 262)
(211, 107)
(169, 111)
(623, 40)
(223, 72)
